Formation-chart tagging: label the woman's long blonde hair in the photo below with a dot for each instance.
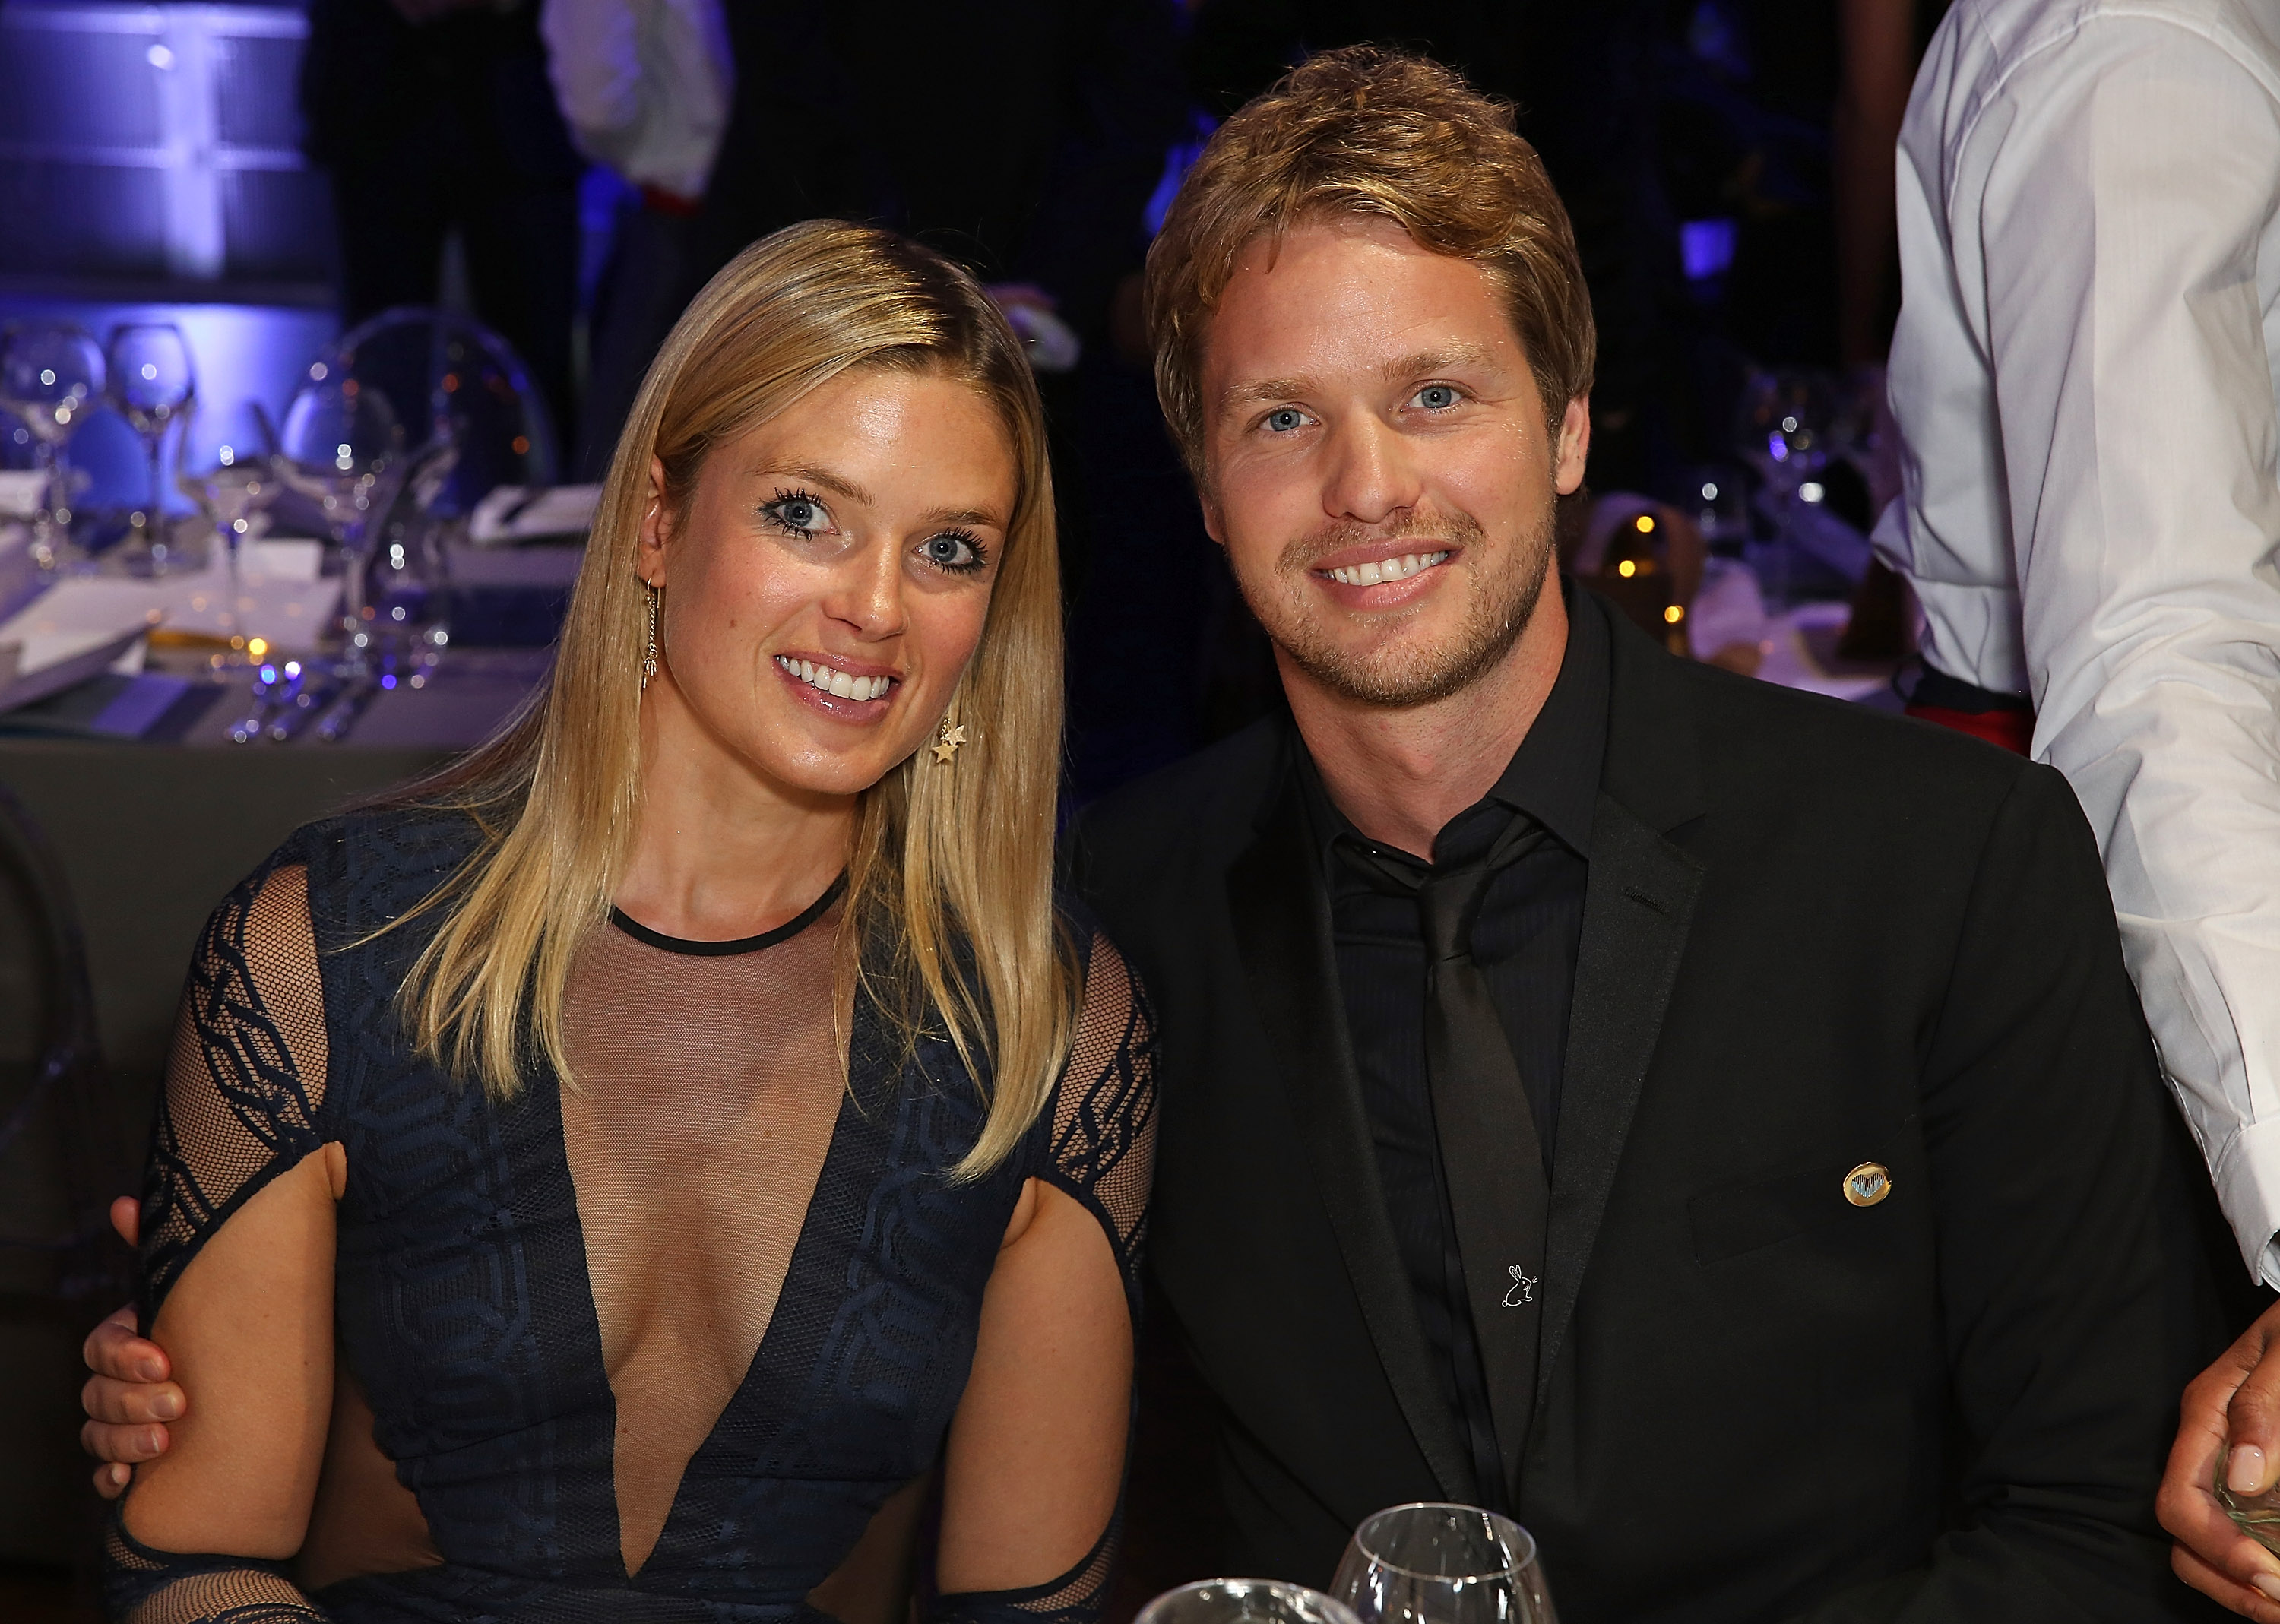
(950, 917)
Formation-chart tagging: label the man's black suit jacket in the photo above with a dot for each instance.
(1813, 937)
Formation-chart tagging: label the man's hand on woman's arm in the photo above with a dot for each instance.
(129, 1397)
(2236, 1398)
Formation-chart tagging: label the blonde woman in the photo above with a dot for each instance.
(609, 1183)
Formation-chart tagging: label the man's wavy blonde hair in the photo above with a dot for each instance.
(950, 879)
(1368, 131)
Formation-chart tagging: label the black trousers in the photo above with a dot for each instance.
(521, 233)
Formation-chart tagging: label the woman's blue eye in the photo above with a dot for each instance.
(1285, 418)
(952, 550)
(1437, 397)
(798, 513)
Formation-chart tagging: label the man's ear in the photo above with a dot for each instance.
(656, 526)
(1214, 520)
(1574, 449)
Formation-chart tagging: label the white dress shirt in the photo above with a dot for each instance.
(643, 85)
(2085, 372)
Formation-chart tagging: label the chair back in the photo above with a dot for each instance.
(450, 378)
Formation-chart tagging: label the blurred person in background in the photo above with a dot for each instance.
(2084, 372)
(644, 85)
(1021, 137)
(435, 117)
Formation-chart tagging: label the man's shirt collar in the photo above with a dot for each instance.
(1554, 776)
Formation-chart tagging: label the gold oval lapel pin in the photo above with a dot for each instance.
(1868, 1184)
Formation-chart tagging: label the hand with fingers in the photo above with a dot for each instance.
(129, 1400)
(2236, 1400)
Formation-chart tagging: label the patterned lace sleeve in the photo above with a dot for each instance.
(1104, 1130)
(246, 1077)
(244, 1084)
(1103, 1153)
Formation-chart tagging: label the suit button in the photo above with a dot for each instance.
(1868, 1184)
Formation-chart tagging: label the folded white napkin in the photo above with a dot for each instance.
(511, 512)
(85, 623)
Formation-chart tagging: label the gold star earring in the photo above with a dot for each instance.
(947, 739)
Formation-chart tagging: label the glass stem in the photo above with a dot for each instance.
(235, 623)
(45, 552)
(153, 531)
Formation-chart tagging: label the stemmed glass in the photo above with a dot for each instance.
(151, 384)
(1244, 1601)
(343, 447)
(50, 371)
(1433, 1564)
(234, 488)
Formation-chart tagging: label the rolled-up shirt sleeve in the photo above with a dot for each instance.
(643, 85)
(2129, 232)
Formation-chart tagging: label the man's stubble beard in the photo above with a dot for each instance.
(1391, 676)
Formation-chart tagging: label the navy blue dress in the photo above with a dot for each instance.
(464, 1312)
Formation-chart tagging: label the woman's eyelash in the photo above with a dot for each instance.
(773, 511)
(972, 543)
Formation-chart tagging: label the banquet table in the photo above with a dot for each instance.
(155, 812)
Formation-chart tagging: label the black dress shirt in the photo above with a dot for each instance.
(1524, 941)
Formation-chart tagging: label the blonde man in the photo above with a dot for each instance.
(1712, 1124)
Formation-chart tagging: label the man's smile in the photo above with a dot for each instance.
(1374, 572)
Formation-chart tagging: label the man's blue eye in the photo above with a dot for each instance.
(1284, 421)
(1437, 397)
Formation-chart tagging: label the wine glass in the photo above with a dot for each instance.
(342, 446)
(2257, 1515)
(151, 384)
(1244, 1601)
(234, 486)
(50, 373)
(1432, 1563)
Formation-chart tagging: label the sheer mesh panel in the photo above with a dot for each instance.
(143, 1586)
(1076, 1597)
(246, 1076)
(694, 1162)
(1104, 1145)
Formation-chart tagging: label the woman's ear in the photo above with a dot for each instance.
(655, 529)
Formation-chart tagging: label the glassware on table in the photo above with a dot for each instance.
(152, 384)
(2257, 1515)
(1244, 1601)
(343, 447)
(234, 486)
(1436, 1564)
(51, 375)
(1793, 427)
(407, 572)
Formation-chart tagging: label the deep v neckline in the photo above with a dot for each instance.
(744, 1397)
(694, 1156)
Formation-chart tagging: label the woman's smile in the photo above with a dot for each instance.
(839, 689)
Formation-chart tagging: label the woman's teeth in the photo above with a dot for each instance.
(836, 683)
(1390, 569)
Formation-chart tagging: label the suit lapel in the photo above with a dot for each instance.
(1281, 911)
(1638, 904)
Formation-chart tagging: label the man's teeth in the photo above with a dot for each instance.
(836, 683)
(1390, 569)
